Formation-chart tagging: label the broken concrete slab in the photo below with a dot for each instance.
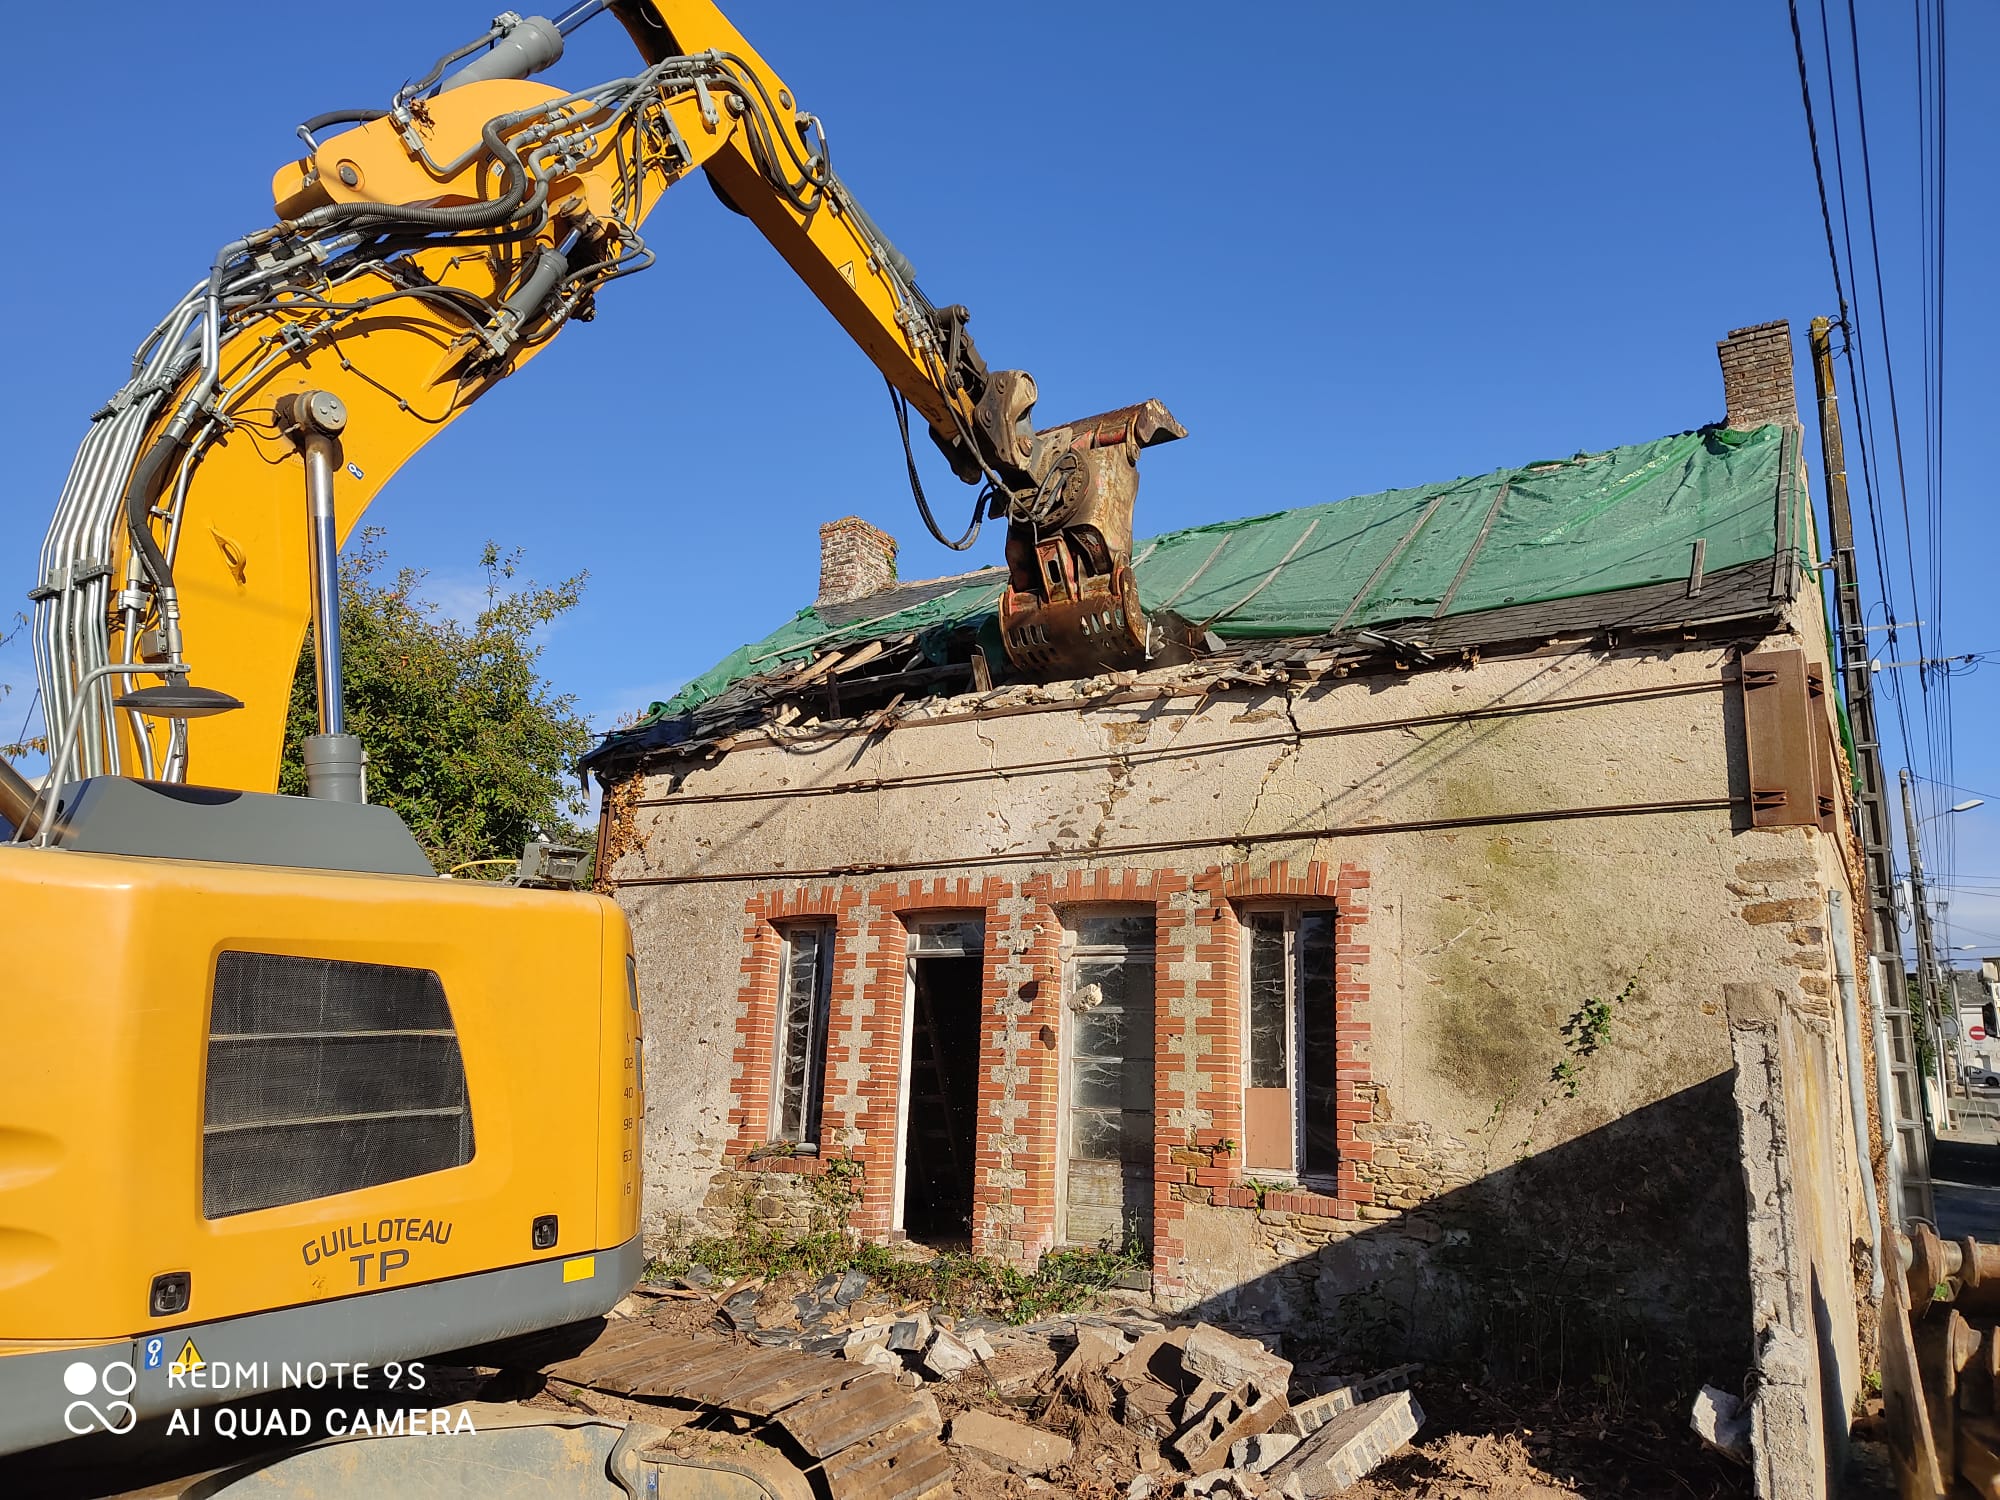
(1018, 1367)
(1191, 1406)
(1261, 1450)
(1211, 1354)
(1347, 1447)
(1723, 1421)
(1156, 1354)
(877, 1356)
(1309, 1416)
(1025, 1450)
(1096, 1349)
(1147, 1406)
(947, 1357)
(1205, 1443)
(1382, 1382)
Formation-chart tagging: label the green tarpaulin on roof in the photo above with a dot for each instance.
(1585, 525)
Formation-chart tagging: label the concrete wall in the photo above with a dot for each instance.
(1504, 841)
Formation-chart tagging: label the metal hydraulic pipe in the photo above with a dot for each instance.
(576, 15)
(1857, 1094)
(323, 553)
(335, 765)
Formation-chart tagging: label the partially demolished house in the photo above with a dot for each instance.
(1384, 970)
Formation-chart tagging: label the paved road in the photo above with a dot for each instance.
(1965, 1171)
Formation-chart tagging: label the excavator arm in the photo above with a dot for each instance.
(423, 252)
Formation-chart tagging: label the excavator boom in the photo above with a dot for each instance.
(421, 253)
(277, 1092)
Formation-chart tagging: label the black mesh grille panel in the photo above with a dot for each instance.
(324, 1077)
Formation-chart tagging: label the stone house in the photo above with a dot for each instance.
(1432, 962)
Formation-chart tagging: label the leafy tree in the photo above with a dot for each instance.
(15, 749)
(465, 738)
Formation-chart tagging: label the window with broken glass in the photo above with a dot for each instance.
(800, 1060)
(1290, 1075)
(1109, 1196)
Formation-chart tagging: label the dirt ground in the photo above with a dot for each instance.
(1474, 1446)
(1477, 1446)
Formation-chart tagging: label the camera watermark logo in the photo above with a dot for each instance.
(112, 1384)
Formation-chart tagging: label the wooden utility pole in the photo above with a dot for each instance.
(1899, 1081)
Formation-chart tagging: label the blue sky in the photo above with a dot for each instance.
(1352, 247)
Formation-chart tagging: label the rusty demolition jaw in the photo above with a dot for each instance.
(1072, 605)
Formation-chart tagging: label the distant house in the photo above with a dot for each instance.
(1973, 993)
(1385, 971)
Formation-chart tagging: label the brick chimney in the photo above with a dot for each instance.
(855, 560)
(1757, 375)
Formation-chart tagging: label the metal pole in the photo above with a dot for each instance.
(1901, 1104)
(1920, 917)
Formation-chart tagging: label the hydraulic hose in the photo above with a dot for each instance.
(342, 117)
(148, 476)
(462, 216)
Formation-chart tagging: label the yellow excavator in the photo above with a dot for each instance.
(273, 1092)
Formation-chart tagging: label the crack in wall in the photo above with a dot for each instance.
(1291, 751)
(1119, 788)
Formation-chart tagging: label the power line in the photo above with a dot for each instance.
(1819, 172)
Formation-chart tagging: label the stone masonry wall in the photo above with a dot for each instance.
(1503, 843)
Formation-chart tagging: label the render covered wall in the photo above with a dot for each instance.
(1506, 842)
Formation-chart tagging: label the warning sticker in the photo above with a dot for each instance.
(189, 1358)
(847, 271)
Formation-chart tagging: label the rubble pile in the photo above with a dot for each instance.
(1116, 1397)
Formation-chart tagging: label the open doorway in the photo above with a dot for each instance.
(942, 1089)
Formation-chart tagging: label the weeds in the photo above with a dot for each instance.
(955, 1281)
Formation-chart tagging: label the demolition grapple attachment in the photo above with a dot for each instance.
(1072, 605)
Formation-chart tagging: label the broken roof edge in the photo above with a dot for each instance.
(1707, 499)
(1737, 603)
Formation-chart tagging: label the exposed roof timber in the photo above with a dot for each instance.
(1733, 602)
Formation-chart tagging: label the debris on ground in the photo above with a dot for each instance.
(1111, 1403)
(1013, 1445)
(1723, 1421)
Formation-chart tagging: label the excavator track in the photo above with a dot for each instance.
(867, 1437)
(700, 1416)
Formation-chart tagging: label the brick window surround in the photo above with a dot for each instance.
(1198, 1039)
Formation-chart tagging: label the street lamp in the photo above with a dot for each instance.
(1966, 806)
